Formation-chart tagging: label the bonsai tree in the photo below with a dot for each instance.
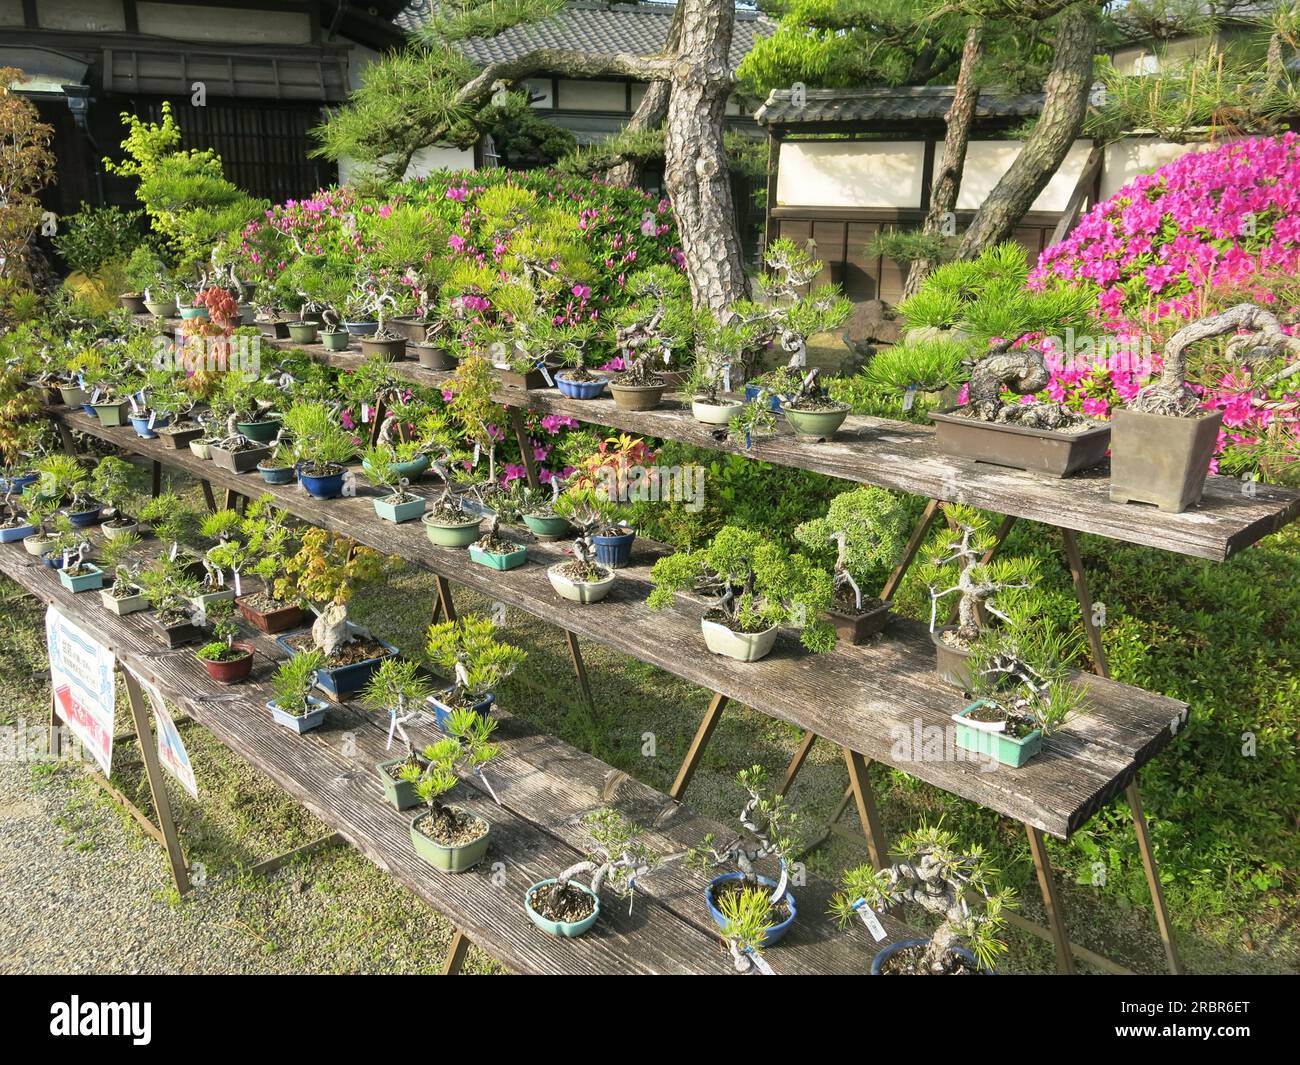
(63, 478)
(111, 484)
(227, 554)
(467, 749)
(268, 543)
(40, 510)
(976, 321)
(293, 682)
(953, 565)
(617, 859)
(755, 585)
(118, 555)
(172, 519)
(398, 689)
(787, 314)
(937, 874)
(326, 570)
(167, 588)
(720, 346)
(380, 463)
(748, 917)
(864, 530)
(20, 424)
(323, 447)
(655, 326)
(471, 409)
(221, 648)
(477, 663)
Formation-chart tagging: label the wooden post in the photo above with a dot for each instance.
(1090, 626)
(207, 495)
(580, 668)
(157, 785)
(455, 954)
(444, 598)
(525, 446)
(702, 736)
(806, 742)
(155, 487)
(865, 799)
(1051, 902)
(909, 552)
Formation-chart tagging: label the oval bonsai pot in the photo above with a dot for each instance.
(614, 551)
(580, 389)
(433, 357)
(15, 533)
(341, 681)
(18, 483)
(140, 423)
(303, 332)
(111, 530)
(853, 628)
(111, 415)
(304, 723)
(90, 578)
(276, 474)
(132, 302)
(39, 546)
(194, 310)
(503, 561)
(716, 413)
(951, 663)
(234, 671)
(270, 621)
(637, 397)
(878, 962)
(83, 519)
(776, 932)
(400, 793)
(547, 527)
(160, 308)
(338, 341)
(399, 512)
(328, 486)
(742, 646)
(1161, 459)
(587, 592)
(458, 859)
(361, 329)
(815, 424)
(260, 432)
(386, 349)
(563, 929)
(1043, 451)
(201, 448)
(1008, 750)
(461, 535)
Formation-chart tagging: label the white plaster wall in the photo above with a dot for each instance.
(850, 174)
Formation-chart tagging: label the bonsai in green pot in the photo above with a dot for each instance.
(864, 532)
(937, 874)
(396, 503)
(111, 484)
(452, 838)
(398, 690)
(125, 596)
(756, 585)
(495, 551)
(566, 907)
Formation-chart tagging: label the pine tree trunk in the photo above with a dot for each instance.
(652, 110)
(1064, 106)
(960, 118)
(695, 163)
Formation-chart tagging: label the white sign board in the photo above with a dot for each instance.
(172, 754)
(84, 684)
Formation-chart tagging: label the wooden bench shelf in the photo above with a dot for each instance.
(872, 699)
(545, 788)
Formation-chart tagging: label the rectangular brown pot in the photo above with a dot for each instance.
(1161, 459)
(282, 620)
(238, 461)
(855, 628)
(1036, 450)
(180, 438)
(531, 380)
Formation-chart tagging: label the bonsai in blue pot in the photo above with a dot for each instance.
(936, 873)
(146, 423)
(478, 663)
(610, 537)
(562, 905)
(294, 706)
(323, 448)
(342, 680)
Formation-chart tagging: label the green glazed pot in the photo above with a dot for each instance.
(303, 332)
(564, 929)
(335, 341)
(449, 859)
(399, 512)
(815, 425)
(452, 535)
(259, 432)
(1006, 749)
(540, 526)
(401, 793)
(410, 469)
(110, 414)
(509, 560)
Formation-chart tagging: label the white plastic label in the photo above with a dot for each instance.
(872, 922)
(349, 484)
(550, 381)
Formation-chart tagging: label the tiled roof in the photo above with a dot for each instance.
(908, 103)
(594, 28)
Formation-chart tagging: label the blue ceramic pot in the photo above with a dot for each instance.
(361, 329)
(400, 512)
(614, 551)
(82, 519)
(17, 484)
(751, 394)
(441, 711)
(140, 423)
(564, 929)
(341, 681)
(277, 475)
(308, 721)
(327, 487)
(775, 933)
(15, 533)
(92, 578)
(877, 963)
(580, 389)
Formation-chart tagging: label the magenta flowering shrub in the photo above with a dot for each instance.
(1195, 236)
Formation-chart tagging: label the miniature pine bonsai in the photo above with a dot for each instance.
(939, 875)
(167, 588)
(618, 858)
(63, 478)
(953, 564)
(380, 462)
(755, 584)
(471, 408)
(172, 519)
(476, 661)
(293, 681)
(789, 312)
(118, 555)
(320, 443)
(398, 689)
(224, 630)
(268, 543)
(467, 748)
(327, 569)
(111, 484)
(865, 530)
(748, 918)
(654, 326)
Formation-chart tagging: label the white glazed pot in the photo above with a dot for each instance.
(591, 592)
(742, 646)
(715, 413)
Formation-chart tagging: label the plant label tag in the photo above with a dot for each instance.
(872, 922)
(478, 453)
(153, 417)
(726, 378)
(365, 414)
(550, 381)
(760, 965)
(488, 784)
(909, 397)
(238, 587)
(171, 555)
(349, 484)
(94, 396)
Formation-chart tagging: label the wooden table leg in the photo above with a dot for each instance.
(66, 438)
(455, 954)
(1080, 577)
(155, 487)
(208, 498)
(865, 799)
(157, 785)
(1153, 879)
(228, 501)
(525, 446)
(702, 736)
(1051, 901)
(806, 742)
(444, 598)
(580, 668)
(909, 552)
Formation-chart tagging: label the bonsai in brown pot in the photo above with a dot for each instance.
(269, 541)
(1164, 439)
(657, 325)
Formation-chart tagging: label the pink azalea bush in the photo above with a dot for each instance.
(1201, 233)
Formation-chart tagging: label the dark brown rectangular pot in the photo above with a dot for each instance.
(533, 379)
(855, 628)
(274, 330)
(412, 329)
(176, 635)
(238, 461)
(1161, 459)
(1036, 450)
(951, 664)
(287, 617)
(180, 438)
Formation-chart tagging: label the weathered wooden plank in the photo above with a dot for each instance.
(903, 456)
(882, 699)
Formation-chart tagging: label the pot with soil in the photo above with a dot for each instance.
(303, 332)
(119, 526)
(411, 469)
(638, 396)
(179, 435)
(721, 639)
(132, 302)
(784, 909)
(81, 577)
(400, 506)
(433, 356)
(362, 328)
(411, 328)
(111, 413)
(855, 626)
(174, 628)
(350, 668)
(147, 423)
(903, 958)
(1078, 445)
(16, 529)
(276, 330)
(268, 614)
(39, 544)
(448, 524)
(227, 663)
(1161, 459)
(322, 480)
(305, 719)
(400, 793)
(335, 340)
(83, 519)
(614, 548)
(123, 598)
(496, 552)
(238, 454)
(529, 379)
(261, 431)
(566, 913)
(719, 413)
(274, 473)
(581, 384)
(952, 657)
(161, 308)
(386, 345)
(986, 728)
(815, 419)
(73, 395)
(202, 447)
(453, 840)
(581, 582)
(447, 702)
